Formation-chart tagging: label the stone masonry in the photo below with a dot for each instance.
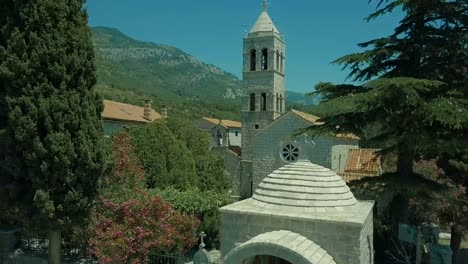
(309, 200)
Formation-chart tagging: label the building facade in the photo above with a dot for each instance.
(267, 128)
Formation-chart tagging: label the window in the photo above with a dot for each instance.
(281, 103)
(277, 102)
(264, 59)
(289, 152)
(257, 126)
(253, 60)
(282, 61)
(263, 102)
(277, 60)
(237, 133)
(252, 102)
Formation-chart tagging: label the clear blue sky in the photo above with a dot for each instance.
(316, 31)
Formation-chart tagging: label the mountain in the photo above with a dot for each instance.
(295, 98)
(131, 71)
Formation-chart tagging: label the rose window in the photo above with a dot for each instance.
(290, 153)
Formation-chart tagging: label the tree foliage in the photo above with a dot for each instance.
(175, 153)
(129, 221)
(414, 97)
(50, 114)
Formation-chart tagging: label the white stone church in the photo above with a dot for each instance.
(266, 126)
(296, 209)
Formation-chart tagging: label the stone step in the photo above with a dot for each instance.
(305, 196)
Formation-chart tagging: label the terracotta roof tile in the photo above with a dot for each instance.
(308, 117)
(314, 120)
(126, 112)
(363, 161)
(224, 122)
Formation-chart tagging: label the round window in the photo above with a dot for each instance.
(290, 152)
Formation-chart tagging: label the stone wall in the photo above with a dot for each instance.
(367, 240)
(235, 140)
(112, 127)
(340, 154)
(343, 241)
(267, 143)
(232, 165)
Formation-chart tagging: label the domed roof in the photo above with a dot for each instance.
(264, 24)
(303, 184)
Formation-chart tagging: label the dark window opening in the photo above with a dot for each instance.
(252, 102)
(281, 63)
(237, 133)
(281, 103)
(263, 102)
(253, 60)
(277, 60)
(257, 126)
(277, 102)
(264, 59)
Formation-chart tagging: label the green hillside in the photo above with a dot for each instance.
(131, 71)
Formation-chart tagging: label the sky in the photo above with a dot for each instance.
(316, 32)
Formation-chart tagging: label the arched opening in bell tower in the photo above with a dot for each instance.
(252, 102)
(253, 60)
(277, 60)
(281, 63)
(265, 59)
(277, 102)
(281, 103)
(263, 102)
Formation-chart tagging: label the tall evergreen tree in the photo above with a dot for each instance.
(419, 102)
(53, 131)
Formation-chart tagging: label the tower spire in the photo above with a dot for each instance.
(265, 5)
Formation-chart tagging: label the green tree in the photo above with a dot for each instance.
(53, 158)
(209, 165)
(166, 160)
(418, 104)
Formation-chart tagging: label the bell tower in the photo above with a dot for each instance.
(263, 78)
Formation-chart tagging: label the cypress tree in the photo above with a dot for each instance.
(418, 104)
(51, 115)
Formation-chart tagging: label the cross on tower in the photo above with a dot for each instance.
(265, 5)
(202, 236)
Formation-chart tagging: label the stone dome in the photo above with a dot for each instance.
(303, 184)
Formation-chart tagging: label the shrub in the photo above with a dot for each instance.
(130, 222)
(128, 231)
(204, 205)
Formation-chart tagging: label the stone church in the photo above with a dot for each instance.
(296, 209)
(266, 126)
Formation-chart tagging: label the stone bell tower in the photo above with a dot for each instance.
(263, 78)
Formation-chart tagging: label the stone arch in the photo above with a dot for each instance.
(263, 102)
(252, 102)
(264, 60)
(253, 59)
(283, 244)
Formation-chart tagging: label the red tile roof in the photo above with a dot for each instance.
(224, 122)
(314, 120)
(126, 112)
(363, 161)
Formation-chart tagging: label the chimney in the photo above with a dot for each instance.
(163, 111)
(147, 110)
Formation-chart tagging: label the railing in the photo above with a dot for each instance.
(175, 259)
(167, 259)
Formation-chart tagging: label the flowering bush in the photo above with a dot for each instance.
(129, 222)
(126, 232)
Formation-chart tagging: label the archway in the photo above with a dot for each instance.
(265, 259)
(281, 247)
